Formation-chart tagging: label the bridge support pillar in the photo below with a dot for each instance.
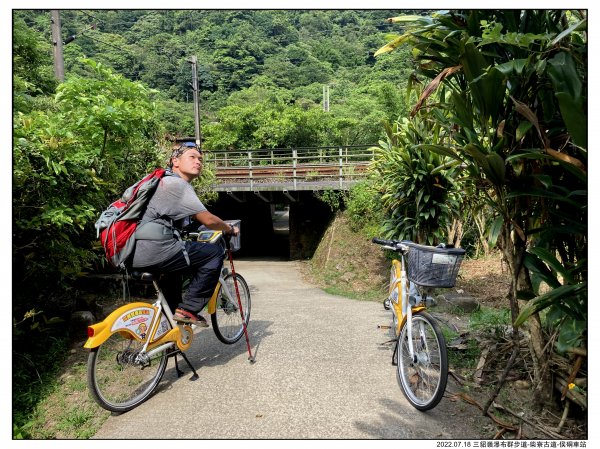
(309, 217)
(289, 196)
(262, 197)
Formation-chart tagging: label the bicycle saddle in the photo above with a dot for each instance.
(142, 275)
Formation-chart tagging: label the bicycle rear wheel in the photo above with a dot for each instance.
(423, 379)
(118, 378)
(227, 320)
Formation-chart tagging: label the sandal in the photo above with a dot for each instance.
(183, 316)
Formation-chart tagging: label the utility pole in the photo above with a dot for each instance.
(194, 62)
(326, 98)
(59, 64)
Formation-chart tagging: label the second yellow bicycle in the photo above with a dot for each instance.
(420, 355)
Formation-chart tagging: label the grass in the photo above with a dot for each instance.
(465, 358)
(63, 409)
(490, 320)
(486, 321)
(347, 264)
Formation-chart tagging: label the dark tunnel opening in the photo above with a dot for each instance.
(274, 225)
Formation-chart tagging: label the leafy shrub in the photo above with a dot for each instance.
(364, 209)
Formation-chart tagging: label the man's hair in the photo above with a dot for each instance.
(178, 151)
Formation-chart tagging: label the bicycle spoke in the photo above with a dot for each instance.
(423, 379)
(119, 377)
(227, 320)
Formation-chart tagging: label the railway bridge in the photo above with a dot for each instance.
(275, 192)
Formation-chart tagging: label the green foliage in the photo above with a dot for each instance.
(363, 209)
(67, 166)
(335, 199)
(419, 188)
(291, 51)
(70, 161)
(510, 90)
(464, 358)
(33, 75)
(490, 320)
(260, 117)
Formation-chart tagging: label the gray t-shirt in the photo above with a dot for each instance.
(175, 200)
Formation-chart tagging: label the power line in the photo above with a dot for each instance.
(110, 45)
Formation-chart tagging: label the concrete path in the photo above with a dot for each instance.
(321, 372)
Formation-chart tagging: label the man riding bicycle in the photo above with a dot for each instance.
(158, 246)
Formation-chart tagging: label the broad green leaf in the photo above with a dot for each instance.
(497, 170)
(406, 18)
(463, 112)
(476, 154)
(515, 67)
(568, 87)
(543, 301)
(550, 259)
(393, 44)
(536, 266)
(574, 116)
(441, 150)
(495, 230)
(581, 25)
(570, 334)
(522, 129)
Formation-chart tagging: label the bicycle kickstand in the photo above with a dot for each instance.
(179, 372)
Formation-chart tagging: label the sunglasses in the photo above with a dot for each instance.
(183, 148)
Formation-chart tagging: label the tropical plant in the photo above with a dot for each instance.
(510, 88)
(419, 189)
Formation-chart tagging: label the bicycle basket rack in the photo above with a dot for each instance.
(429, 266)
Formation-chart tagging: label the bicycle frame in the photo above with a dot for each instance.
(400, 300)
(140, 320)
(212, 303)
(143, 322)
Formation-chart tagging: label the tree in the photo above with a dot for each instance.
(510, 90)
(69, 163)
(33, 76)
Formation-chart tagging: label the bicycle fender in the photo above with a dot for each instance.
(131, 320)
(212, 303)
(415, 310)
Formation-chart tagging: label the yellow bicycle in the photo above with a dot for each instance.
(420, 355)
(130, 348)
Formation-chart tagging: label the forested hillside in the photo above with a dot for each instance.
(261, 72)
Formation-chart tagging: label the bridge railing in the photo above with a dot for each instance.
(290, 168)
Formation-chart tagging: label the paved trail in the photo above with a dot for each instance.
(320, 373)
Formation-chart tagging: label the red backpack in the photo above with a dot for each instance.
(117, 224)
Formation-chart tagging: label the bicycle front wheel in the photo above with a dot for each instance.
(119, 378)
(423, 377)
(227, 320)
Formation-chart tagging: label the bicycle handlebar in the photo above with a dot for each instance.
(384, 242)
(402, 246)
(395, 245)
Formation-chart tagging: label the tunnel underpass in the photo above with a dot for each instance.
(276, 225)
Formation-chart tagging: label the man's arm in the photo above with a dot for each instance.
(215, 223)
